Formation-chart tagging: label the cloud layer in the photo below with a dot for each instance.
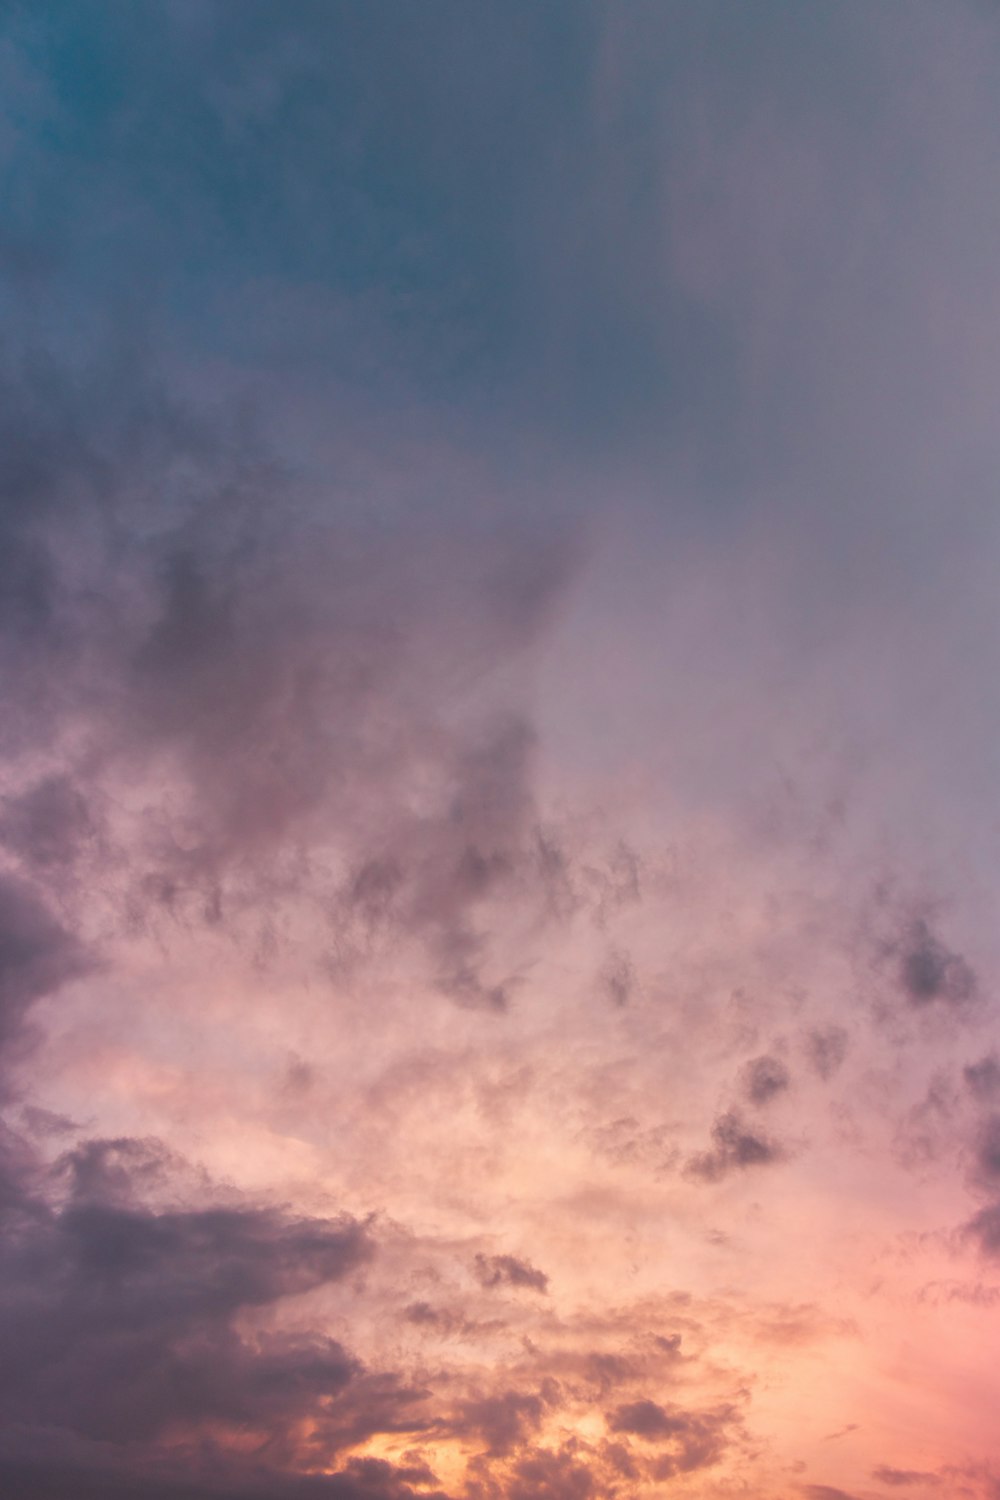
(497, 865)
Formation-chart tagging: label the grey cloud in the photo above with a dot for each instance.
(698, 1438)
(930, 973)
(289, 669)
(898, 1478)
(608, 1370)
(736, 1148)
(37, 954)
(545, 1474)
(983, 1078)
(42, 1476)
(509, 1270)
(764, 1078)
(119, 1319)
(987, 1151)
(984, 1228)
(48, 824)
(502, 1421)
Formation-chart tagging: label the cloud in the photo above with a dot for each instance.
(983, 1078)
(886, 1474)
(508, 1270)
(984, 1227)
(501, 1421)
(930, 973)
(123, 1321)
(408, 491)
(49, 824)
(548, 1474)
(736, 1149)
(987, 1159)
(37, 954)
(764, 1078)
(698, 1439)
(43, 1477)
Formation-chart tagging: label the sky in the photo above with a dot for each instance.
(499, 751)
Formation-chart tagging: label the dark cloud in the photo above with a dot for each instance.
(897, 1478)
(764, 1078)
(49, 824)
(547, 1474)
(37, 954)
(826, 1492)
(44, 1477)
(503, 1421)
(930, 973)
(282, 673)
(983, 1078)
(736, 1148)
(508, 1270)
(697, 1439)
(987, 1152)
(121, 1321)
(609, 1370)
(984, 1228)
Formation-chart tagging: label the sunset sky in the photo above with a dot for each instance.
(500, 750)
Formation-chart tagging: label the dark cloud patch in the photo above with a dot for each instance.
(930, 973)
(49, 824)
(983, 1078)
(609, 1370)
(45, 1123)
(898, 1478)
(548, 1474)
(503, 1421)
(736, 1148)
(826, 1050)
(119, 1172)
(984, 1228)
(697, 1439)
(825, 1492)
(764, 1078)
(267, 672)
(424, 1315)
(85, 1476)
(37, 954)
(987, 1152)
(120, 1321)
(507, 1270)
